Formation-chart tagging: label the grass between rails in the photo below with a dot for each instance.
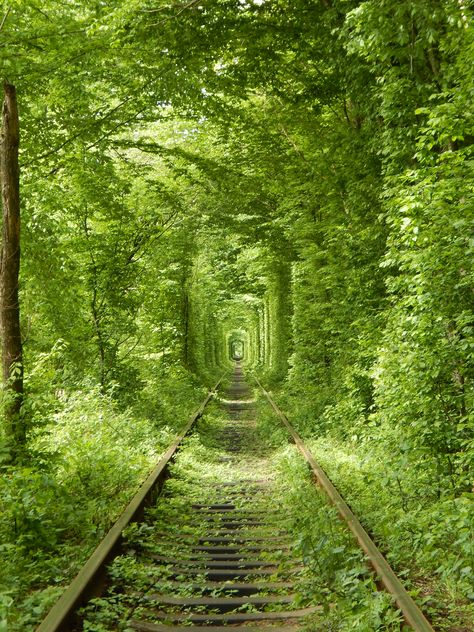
(334, 575)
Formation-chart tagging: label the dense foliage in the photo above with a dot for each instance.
(296, 175)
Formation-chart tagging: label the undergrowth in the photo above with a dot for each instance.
(336, 575)
(421, 523)
(428, 540)
(84, 463)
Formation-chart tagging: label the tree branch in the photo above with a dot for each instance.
(7, 13)
(80, 132)
(173, 17)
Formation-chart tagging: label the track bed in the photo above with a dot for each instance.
(214, 551)
(218, 549)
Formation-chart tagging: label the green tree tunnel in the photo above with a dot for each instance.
(287, 184)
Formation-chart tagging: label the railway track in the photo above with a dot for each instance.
(214, 551)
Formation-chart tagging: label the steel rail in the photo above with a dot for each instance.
(410, 611)
(92, 575)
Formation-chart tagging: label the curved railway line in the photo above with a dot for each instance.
(210, 552)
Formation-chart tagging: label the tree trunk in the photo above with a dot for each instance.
(185, 311)
(12, 361)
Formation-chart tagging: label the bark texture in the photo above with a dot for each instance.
(12, 357)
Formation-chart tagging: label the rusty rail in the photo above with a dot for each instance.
(411, 612)
(91, 577)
